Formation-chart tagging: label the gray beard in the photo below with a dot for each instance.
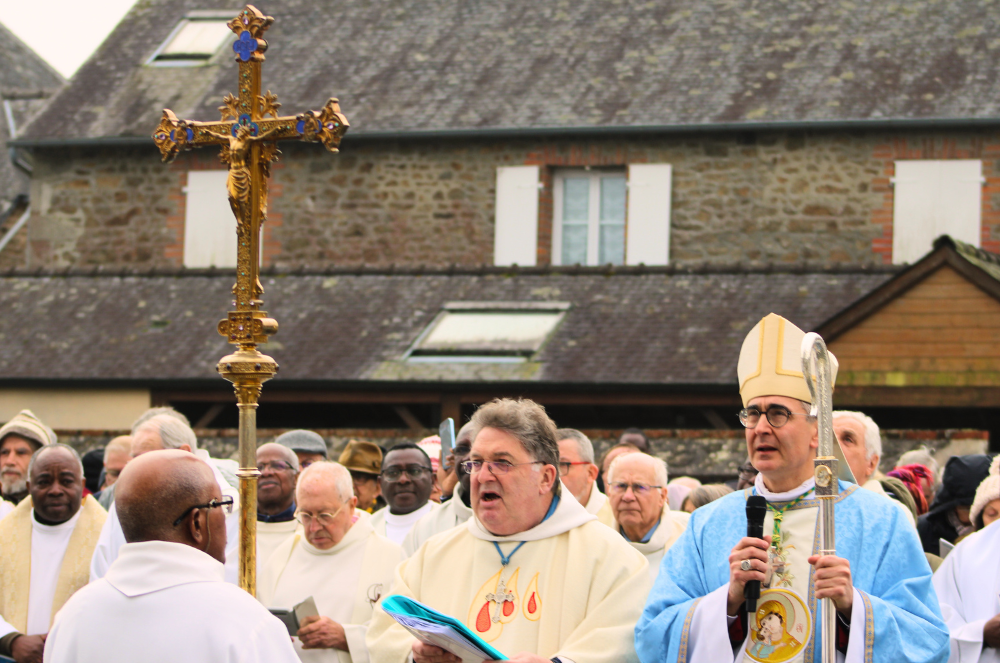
(13, 486)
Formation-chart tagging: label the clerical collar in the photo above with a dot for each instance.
(407, 519)
(38, 521)
(645, 539)
(283, 517)
(801, 489)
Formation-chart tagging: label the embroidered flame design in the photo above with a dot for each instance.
(481, 612)
(508, 612)
(532, 607)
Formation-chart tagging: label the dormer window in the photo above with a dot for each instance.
(195, 40)
(487, 331)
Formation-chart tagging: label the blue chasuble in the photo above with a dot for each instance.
(902, 620)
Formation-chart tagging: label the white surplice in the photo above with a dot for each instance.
(48, 547)
(112, 538)
(396, 527)
(346, 582)
(166, 602)
(451, 514)
(269, 537)
(5, 508)
(968, 587)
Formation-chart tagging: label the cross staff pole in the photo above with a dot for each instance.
(818, 372)
(248, 141)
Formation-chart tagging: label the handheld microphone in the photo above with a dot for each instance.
(756, 511)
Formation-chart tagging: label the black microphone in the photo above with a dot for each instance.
(756, 512)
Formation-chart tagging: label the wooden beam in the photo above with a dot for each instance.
(916, 397)
(606, 396)
(210, 415)
(408, 417)
(451, 406)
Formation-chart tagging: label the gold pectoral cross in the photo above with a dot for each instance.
(499, 598)
(248, 138)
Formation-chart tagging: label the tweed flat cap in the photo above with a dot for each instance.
(30, 427)
(305, 441)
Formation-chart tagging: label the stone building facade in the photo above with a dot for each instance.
(782, 197)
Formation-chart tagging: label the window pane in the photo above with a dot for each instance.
(612, 244)
(198, 38)
(613, 199)
(574, 244)
(576, 199)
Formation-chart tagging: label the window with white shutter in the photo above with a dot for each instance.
(209, 224)
(515, 238)
(613, 217)
(933, 198)
(648, 214)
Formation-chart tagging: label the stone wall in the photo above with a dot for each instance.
(710, 455)
(768, 196)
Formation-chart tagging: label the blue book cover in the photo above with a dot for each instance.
(405, 607)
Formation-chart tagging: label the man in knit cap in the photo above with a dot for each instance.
(20, 437)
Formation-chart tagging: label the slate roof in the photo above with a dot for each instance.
(26, 80)
(410, 67)
(653, 327)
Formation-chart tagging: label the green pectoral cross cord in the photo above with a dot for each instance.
(778, 515)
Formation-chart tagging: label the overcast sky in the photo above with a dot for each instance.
(64, 32)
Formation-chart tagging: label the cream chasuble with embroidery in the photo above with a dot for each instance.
(345, 582)
(15, 563)
(574, 590)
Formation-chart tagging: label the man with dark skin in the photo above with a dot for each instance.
(406, 480)
(55, 485)
(455, 511)
(279, 473)
(173, 516)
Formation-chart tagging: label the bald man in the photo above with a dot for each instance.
(338, 560)
(164, 598)
(164, 430)
(279, 472)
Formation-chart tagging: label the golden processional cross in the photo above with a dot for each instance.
(248, 139)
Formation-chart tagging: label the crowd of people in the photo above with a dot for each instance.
(520, 531)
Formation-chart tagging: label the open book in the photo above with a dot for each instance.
(438, 629)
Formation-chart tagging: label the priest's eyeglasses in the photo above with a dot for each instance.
(324, 519)
(638, 489)
(412, 471)
(777, 416)
(565, 466)
(226, 503)
(496, 467)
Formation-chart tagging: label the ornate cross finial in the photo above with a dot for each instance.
(247, 134)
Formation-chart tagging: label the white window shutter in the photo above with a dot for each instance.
(648, 226)
(515, 238)
(209, 224)
(933, 198)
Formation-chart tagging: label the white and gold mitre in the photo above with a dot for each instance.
(771, 361)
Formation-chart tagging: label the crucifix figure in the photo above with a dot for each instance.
(499, 598)
(248, 138)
